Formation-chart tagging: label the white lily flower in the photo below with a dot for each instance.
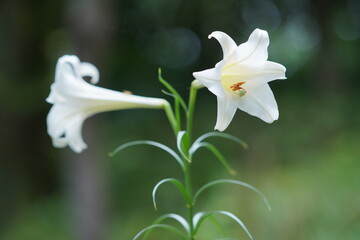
(74, 100)
(241, 79)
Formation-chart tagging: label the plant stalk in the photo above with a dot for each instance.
(187, 172)
(189, 204)
(172, 119)
(191, 107)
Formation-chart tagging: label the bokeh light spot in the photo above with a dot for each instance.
(262, 14)
(174, 48)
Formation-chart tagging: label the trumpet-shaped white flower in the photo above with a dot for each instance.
(241, 79)
(74, 100)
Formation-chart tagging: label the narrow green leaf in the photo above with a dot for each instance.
(151, 143)
(167, 93)
(174, 216)
(165, 226)
(174, 181)
(218, 134)
(180, 144)
(227, 239)
(236, 219)
(199, 218)
(243, 184)
(216, 153)
(218, 225)
(176, 95)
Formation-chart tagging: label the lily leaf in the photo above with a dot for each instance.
(180, 144)
(218, 134)
(216, 153)
(199, 218)
(151, 143)
(167, 93)
(227, 239)
(243, 184)
(176, 95)
(218, 225)
(174, 181)
(174, 216)
(165, 226)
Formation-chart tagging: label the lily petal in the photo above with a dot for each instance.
(227, 43)
(271, 71)
(58, 119)
(89, 70)
(74, 134)
(252, 53)
(268, 72)
(210, 78)
(226, 112)
(259, 102)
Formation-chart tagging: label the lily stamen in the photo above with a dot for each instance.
(238, 89)
(237, 86)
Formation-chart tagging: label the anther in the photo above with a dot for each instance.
(238, 89)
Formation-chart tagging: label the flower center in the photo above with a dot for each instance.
(236, 88)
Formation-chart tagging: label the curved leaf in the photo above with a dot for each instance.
(174, 181)
(175, 94)
(243, 184)
(165, 226)
(219, 134)
(199, 218)
(167, 93)
(174, 216)
(216, 153)
(151, 143)
(218, 225)
(180, 144)
(227, 239)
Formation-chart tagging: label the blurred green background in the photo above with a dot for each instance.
(307, 163)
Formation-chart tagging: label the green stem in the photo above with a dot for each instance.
(187, 172)
(177, 113)
(172, 119)
(175, 122)
(191, 107)
(189, 204)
